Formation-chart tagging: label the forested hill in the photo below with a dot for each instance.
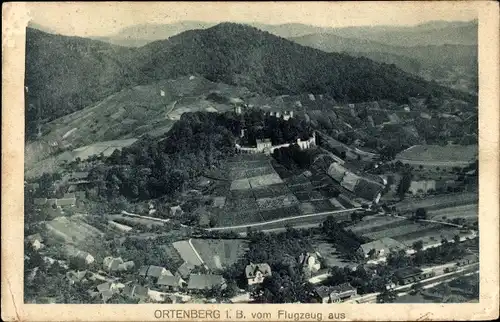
(243, 55)
(65, 74)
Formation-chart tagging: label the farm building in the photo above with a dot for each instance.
(411, 275)
(112, 264)
(154, 271)
(219, 202)
(422, 186)
(200, 282)
(135, 292)
(35, 241)
(335, 294)
(256, 273)
(470, 259)
(310, 262)
(184, 270)
(170, 282)
(75, 276)
(380, 248)
(342, 292)
(73, 252)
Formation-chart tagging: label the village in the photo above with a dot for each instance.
(187, 245)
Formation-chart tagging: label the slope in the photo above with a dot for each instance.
(64, 74)
(245, 56)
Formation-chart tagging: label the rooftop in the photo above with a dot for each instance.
(204, 281)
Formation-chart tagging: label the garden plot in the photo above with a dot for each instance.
(277, 202)
(187, 253)
(245, 205)
(238, 217)
(271, 191)
(439, 202)
(370, 225)
(307, 208)
(465, 212)
(241, 194)
(278, 213)
(240, 173)
(322, 205)
(240, 184)
(264, 180)
(394, 232)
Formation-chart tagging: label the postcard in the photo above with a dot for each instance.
(240, 161)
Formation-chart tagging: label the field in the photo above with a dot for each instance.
(438, 202)
(186, 252)
(330, 255)
(220, 253)
(466, 212)
(433, 155)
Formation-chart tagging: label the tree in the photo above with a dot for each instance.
(386, 296)
(416, 288)
(421, 213)
(418, 245)
(404, 184)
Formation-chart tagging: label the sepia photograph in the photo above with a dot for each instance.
(172, 157)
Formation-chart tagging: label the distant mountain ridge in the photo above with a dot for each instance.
(429, 33)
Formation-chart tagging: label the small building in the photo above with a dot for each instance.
(200, 282)
(469, 259)
(172, 283)
(126, 266)
(154, 271)
(256, 273)
(112, 264)
(411, 275)
(176, 211)
(219, 202)
(380, 248)
(263, 145)
(135, 292)
(39, 201)
(107, 290)
(422, 186)
(342, 292)
(75, 276)
(66, 202)
(35, 241)
(310, 262)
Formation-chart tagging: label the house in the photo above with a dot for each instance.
(310, 262)
(200, 282)
(153, 271)
(66, 202)
(422, 186)
(107, 290)
(469, 259)
(111, 264)
(184, 270)
(411, 275)
(170, 282)
(323, 293)
(75, 276)
(35, 241)
(264, 145)
(176, 211)
(126, 266)
(118, 226)
(342, 292)
(256, 273)
(135, 291)
(380, 248)
(219, 202)
(71, 251)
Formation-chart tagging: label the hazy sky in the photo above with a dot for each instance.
(98, 19)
